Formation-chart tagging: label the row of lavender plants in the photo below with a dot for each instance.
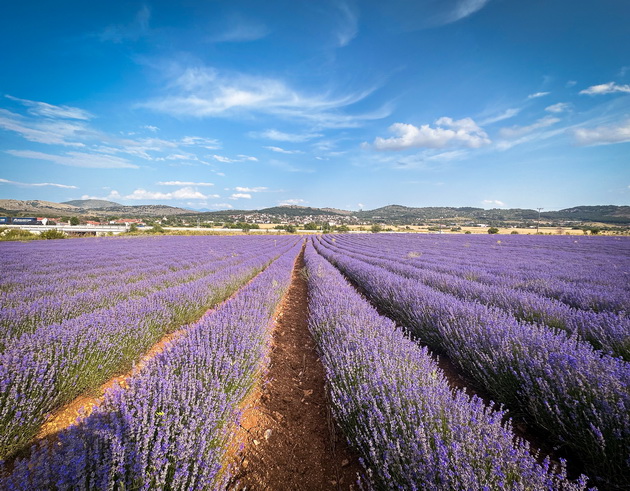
(607, 331)
(585, 273)
(397, 409)
(560, 384)
(171, 427)
(44, 370)
(41, 298)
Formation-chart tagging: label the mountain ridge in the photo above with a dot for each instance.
(393, 214)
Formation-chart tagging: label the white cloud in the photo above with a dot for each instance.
(184, 183)
(258, 189)
(48, 131)
(204, 92)
(209, 143)
(603, 135)
(493, 202)
(50, 111)
(285, 137)
(153, 129)
(609, 88)
(447, 132)
(240, 30)
(507, 114)
(463, 9)
(560, 107)
(220, 206)
(179, 194)
(348, 24)
(239, 158)
(78, 159)
(519, 131)
(295, 202)
(36, 184)
(282, 150)
(240, 196)
(360, 205)
(537, 95)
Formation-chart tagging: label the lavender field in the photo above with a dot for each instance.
(539, 327)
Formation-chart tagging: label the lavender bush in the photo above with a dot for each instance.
(42, 371)
(169, 429)
(559, 383)
(397, 409)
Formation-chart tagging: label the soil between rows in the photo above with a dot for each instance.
(289, 440)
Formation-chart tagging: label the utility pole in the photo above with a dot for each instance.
(538, 223)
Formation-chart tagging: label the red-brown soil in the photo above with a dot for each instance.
(288, 439)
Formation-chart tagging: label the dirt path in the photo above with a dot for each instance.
(288, 438)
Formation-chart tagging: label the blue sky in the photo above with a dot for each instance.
(249, 104)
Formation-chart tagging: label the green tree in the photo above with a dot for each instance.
(74, 221)
(493, 230)
(311, 226)
(133, 228)
(291, 229)
(343, 228)
(376, 228)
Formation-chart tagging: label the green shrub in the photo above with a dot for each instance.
(493, 230)
(52, 234)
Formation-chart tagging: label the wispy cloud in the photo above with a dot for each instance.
(184, 183)
(603, 135)
(282, 150)
(292, 202)
(239, 158)
(237, 29)
(281, 136)
(462, 9)
(50, 132)
(204, 92)
(609, 88)
(519, 131)
(209, 143)
(288, 167)
(132, 31)
(447, 132)
(77, 159)
(560, 107)
(36, 184)
(49, 110)
(507, 114)
(258, 189)
(536, 95)
(348, 24)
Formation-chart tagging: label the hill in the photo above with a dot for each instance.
(91, 204)
(391, 214)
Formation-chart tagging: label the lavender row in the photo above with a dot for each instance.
(55, 309)
(604, 330)
(48, 368)
(396, 407)
(571, 260)
(89, 264)
(582, 279)
(170, 428)
(562, 385)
